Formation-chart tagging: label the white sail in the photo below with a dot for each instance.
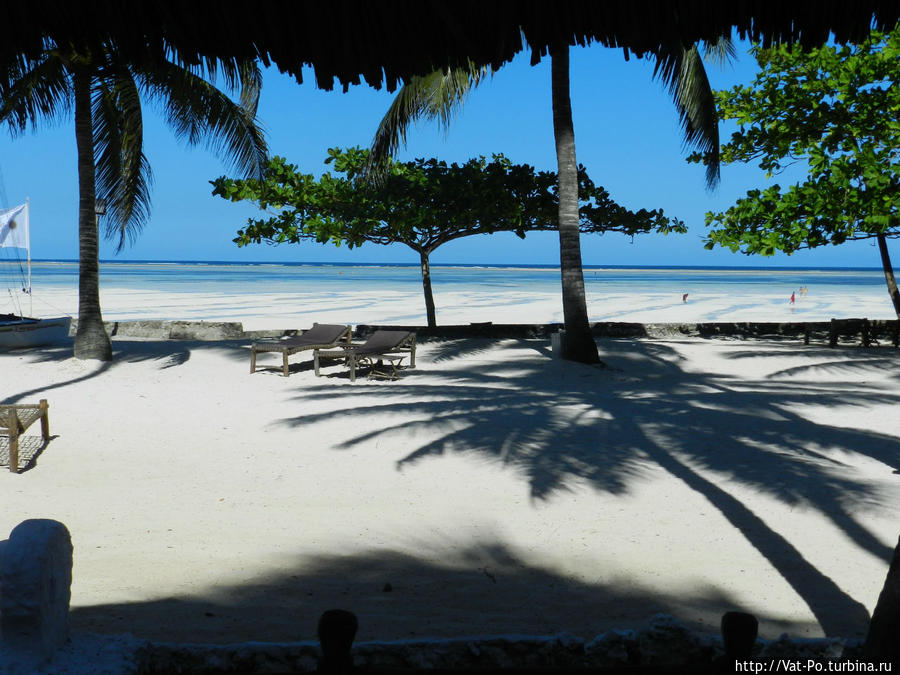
(18, 331)
(14, 227)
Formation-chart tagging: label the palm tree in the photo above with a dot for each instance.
(436, 96)
(104, 90)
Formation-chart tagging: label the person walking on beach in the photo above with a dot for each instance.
(792, 298)
(684, 298)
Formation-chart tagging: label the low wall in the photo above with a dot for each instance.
(173, 330)
(884, 332)
(663, 643)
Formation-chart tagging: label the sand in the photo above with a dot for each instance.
(493, 489)
(404, 305)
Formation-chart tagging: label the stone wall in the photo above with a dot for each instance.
(173, 330)
(663, 643)
(884, 332)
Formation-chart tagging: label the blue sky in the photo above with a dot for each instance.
(626, 132)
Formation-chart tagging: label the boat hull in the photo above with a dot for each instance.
(21, 333)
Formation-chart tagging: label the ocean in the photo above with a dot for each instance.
(233, 291)
(235, 277)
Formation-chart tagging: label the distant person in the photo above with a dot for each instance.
(684, 298)
(792, 298)
(337, 629)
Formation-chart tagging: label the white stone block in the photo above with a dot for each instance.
(35, 589)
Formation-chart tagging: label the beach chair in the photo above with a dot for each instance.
(383, 347)
(320, 336)
(15, 419)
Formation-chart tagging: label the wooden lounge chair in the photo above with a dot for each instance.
(15, 419)
(389, 346)
(320, 336)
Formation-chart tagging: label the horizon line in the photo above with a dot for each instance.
(548, 266)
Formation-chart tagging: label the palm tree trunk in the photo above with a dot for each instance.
(426, 286)
(91, 340)
(881, 642)
(579, 343)
(889, 272)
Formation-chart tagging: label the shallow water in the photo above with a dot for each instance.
(393, 293)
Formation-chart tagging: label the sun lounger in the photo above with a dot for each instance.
(15, 419)
(320, 336)
(389, 346)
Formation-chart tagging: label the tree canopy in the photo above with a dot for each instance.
(836, 110)
(422, 203)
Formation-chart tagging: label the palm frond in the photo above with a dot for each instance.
(235, 74)
(722, 52)
(199, 112)
(33, 92)
(681, 69)
(437, 96)
(123, 176)
(250, 78)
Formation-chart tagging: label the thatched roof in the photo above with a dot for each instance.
(383, 42)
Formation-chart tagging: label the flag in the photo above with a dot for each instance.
(14, 227)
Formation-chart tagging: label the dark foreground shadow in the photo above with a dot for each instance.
(554, 422)
(399, 596)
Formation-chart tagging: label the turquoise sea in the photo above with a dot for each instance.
(296, 294)
(236, 278)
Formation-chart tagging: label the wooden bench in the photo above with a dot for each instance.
(15, 419)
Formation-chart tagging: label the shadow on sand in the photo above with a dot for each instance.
(169, 354)
(385, 589)
(554, 421)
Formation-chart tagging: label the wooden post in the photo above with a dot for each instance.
(286, 373)
(252, 359)
(45, 419)
(14, 424)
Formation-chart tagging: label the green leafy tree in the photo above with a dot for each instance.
(439, 94)
(837, 110)
(104, 91)
(422, 204)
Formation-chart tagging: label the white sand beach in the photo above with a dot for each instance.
(366, 304)
(493, 489)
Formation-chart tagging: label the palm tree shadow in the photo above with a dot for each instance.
(167, 353)
(450, 350)
(555, 422)
(399, 595)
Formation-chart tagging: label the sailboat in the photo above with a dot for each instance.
(16, 329)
